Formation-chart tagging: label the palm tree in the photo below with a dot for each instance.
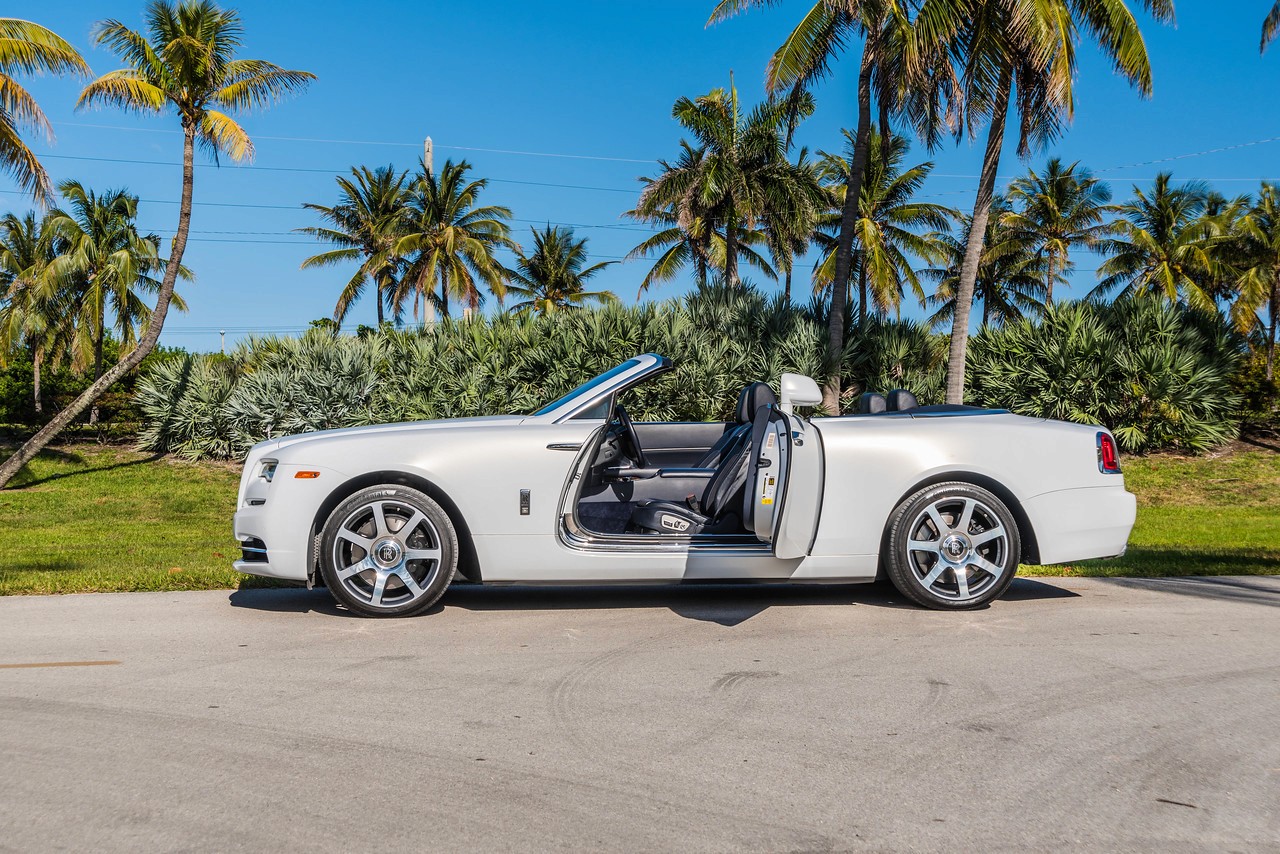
(1258, 233)
(1011, 278)
(555, 275)
(185, 63)
(1008, 46)
(101, 268)
(28, 319)
(1270, 27)
(368, 221)
(736, 178)
(889, 225)
(1164, 245)
(892, 65)
(692, 242)
(1056, 212)
(30, 49)
(452, 240)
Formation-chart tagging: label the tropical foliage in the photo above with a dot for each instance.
(554, 276)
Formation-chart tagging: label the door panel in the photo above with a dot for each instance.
(787, 490)
(678, 444)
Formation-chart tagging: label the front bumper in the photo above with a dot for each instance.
(268, 546)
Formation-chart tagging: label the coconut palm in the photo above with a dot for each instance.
(693, 242)
(735, 176)
(28, 48)
(554, 276)
(891, 228)
(1258, 232)
(1055, 212)
(452, 240)
(1271, 26)
(1164, 245)
(1011, 278)
(1008, 46)
(185, 63)
(894, 60)
(101, 270)
(29, 319)
(366, 224)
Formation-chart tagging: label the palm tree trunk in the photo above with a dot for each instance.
(444, 292)
(1048, 283)
(986, 312)
(862, 294)
(787, 285)
(377, 292)
(46, 434)
(98, 334)
(973, 248)
(36, 358)
(848, 218)
(731, 251)
(1273, 310)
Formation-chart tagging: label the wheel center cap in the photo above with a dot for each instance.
(955, 547)
(387, 553)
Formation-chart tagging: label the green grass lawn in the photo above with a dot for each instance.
(101, 518)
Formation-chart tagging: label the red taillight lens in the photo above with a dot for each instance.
(1108, 458)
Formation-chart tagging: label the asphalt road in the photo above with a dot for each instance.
(1102, 715)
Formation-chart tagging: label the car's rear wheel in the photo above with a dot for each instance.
(952, 546)
(388, 551)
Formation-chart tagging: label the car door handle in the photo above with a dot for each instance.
(565, 446)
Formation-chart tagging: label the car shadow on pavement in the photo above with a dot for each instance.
(1259, 590)
(726, 604)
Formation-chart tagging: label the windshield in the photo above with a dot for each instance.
(586, 388)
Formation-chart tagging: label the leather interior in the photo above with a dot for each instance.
(872, 403)
(750, 399)
(901, 400)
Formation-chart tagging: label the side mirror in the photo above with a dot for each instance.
(798, 390)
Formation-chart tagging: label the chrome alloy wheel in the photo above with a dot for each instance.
(386, 553)
(958, 548)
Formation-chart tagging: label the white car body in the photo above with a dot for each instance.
(837, 492)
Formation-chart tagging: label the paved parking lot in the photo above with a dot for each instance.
(1104, 715)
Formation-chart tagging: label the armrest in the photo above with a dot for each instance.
(689, 472)
(630, 473)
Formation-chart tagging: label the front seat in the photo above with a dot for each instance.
(901, 400)
(750, 399)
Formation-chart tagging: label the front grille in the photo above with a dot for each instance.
(253, 550)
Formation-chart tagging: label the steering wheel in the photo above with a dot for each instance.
(629, 437)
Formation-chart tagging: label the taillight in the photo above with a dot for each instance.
(1108, 458)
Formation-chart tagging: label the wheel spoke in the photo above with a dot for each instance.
(406, 530)
(939, 567)
(415, 589)
(379, 519)
(930, 546)
(992, 569)
(940, 526)
(987, 536)
(379, 588)
(356, 568)
(352, 537)
(966, 516)
(962, 582)
(422, 554)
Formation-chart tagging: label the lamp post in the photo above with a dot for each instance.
(223, 333)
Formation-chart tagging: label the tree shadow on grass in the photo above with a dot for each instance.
(24, 478)
(726, 604)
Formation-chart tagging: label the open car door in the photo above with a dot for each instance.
(785, 500)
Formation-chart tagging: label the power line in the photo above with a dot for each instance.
(631, 191)
(383, 143)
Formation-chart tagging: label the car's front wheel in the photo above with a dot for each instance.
(952, 546)
(388, 551)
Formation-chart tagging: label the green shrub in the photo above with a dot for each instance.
(1158, 375)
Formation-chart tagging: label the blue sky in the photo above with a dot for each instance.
(590, 79)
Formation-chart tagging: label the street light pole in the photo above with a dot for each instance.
(223, 333)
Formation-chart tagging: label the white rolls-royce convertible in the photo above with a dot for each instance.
(944, 500)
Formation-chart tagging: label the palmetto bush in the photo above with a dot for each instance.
(1158, 375)
(1085, 365)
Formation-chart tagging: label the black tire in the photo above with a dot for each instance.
(937, 563)
(394, 573)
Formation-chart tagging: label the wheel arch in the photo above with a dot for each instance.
(1026, 531)
(468, 562)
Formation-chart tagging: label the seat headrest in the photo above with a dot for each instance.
(872, 403)
(900, 400)
(752, 398)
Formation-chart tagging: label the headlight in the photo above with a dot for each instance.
(268, 470)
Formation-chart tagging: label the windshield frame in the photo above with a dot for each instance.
(606, 385)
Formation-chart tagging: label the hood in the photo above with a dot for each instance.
(271, 445)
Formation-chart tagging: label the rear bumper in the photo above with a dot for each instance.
(1081, 524)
